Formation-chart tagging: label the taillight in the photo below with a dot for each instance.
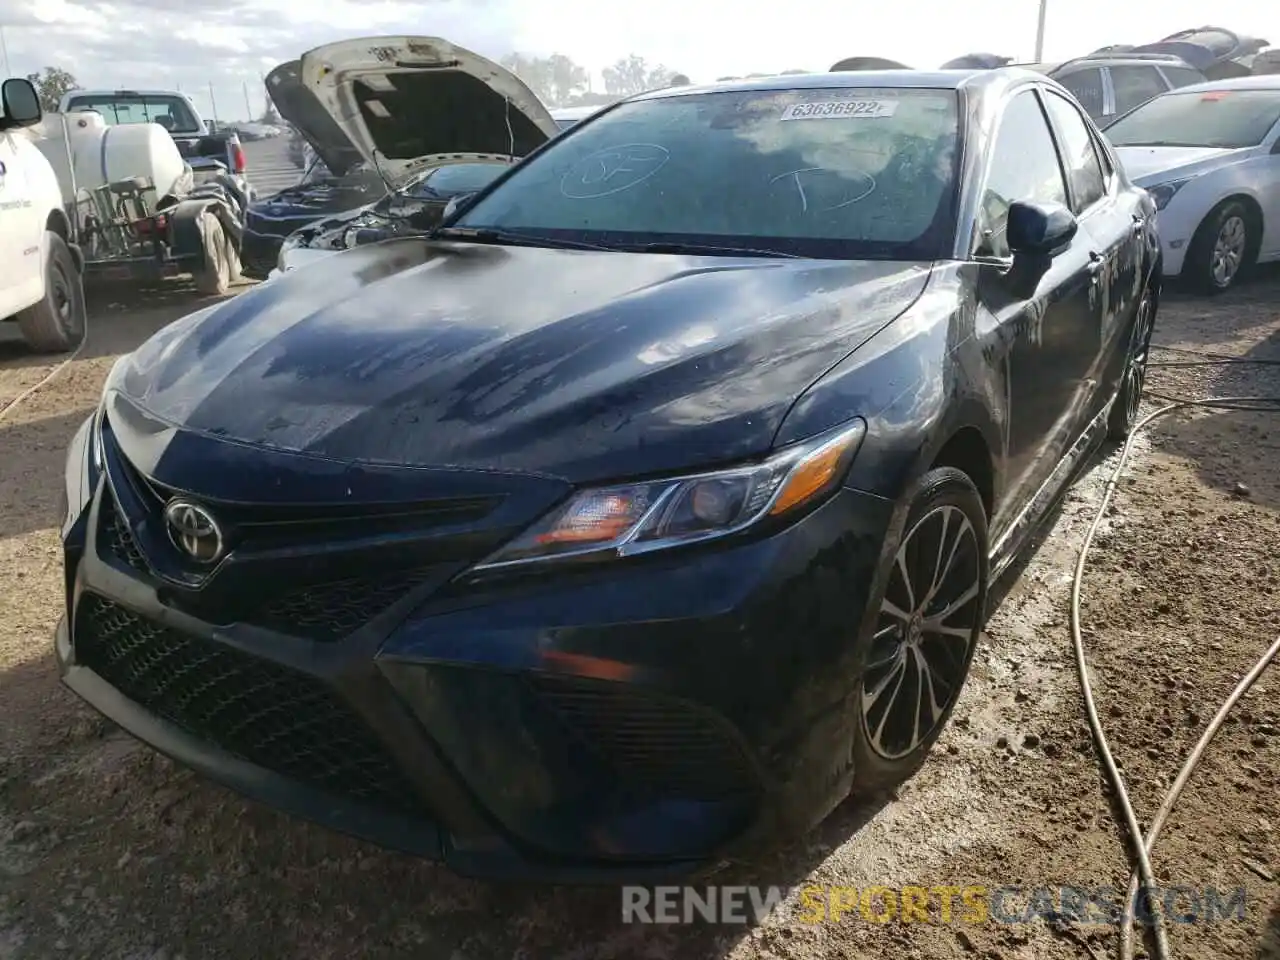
(238, 158)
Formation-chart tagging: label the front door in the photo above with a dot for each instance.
(1049, 339)
(1113, 222)
(20, 276)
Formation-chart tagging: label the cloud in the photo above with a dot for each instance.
(192, 44)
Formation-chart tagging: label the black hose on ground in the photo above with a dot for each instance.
(1143, 873)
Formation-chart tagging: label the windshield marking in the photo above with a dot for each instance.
(796, 176)
(594, 175)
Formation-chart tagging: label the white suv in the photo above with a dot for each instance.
(41, 285)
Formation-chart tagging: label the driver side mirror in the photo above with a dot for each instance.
(1039, 230)
(455, 206)
(19, 104)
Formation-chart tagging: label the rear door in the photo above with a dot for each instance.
(1049, 339)
(1111, 219)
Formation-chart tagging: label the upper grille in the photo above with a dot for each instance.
(259, 711)
(656, 743)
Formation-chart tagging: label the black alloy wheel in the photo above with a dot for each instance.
(1124, 411)
(924, 627)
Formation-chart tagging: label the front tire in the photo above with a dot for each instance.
(57, 323)
(1221, 250)
(920, 632)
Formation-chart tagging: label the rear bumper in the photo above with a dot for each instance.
(641, 723)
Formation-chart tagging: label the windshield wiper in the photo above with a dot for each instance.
(490, 235)
(712, 249)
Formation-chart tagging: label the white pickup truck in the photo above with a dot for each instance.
(41, 286)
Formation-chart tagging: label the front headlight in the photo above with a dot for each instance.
(1162, 193)
(635, 518)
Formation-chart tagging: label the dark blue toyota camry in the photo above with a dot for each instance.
(632, 519)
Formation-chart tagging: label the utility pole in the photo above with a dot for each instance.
(4, 47)
(213, 102)
(248, 110)
(1044, 7)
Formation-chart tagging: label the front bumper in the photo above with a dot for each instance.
(639, 722)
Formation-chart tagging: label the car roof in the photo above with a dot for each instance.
(1259, 81)
(978, 82)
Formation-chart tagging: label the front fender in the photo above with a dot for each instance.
(918, 382)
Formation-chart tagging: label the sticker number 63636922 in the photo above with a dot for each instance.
(841, 110)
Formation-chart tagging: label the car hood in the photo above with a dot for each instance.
(399, 99)
(579, 364)
(298, 105)
(1148, 166)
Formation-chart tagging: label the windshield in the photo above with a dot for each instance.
(170, 112)
(1207, 118)
(841, 173)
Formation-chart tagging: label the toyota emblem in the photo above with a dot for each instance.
(194, 531)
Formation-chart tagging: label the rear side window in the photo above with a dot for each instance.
(1085, 86)
(1134, 86)
(1084, 171)
(1182, 76)
(1024, 167)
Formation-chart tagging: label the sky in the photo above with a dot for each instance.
(229, 44)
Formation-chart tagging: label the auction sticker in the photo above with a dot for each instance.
(841, 110)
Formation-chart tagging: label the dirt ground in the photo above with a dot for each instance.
(109, 851)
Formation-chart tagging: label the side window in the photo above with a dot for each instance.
(1023, 166)
(1084, 172)
(1182, 76)
(1134, 86)
(1085, 86)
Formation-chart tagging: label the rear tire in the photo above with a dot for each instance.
(1222, 249)
(1124, 411)
(57, 323)
(936, 580)
(213, 277)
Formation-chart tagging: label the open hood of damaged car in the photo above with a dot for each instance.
(299, 106)
(400, 100)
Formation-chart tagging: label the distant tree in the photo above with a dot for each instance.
(52, 85)
(792, 73)
(556, 79)
(589, 99)
(632, 75)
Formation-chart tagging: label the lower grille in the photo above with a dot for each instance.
(330, 611)
(261, 712)
(656, 743)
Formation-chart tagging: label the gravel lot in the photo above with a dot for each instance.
(109, 851)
